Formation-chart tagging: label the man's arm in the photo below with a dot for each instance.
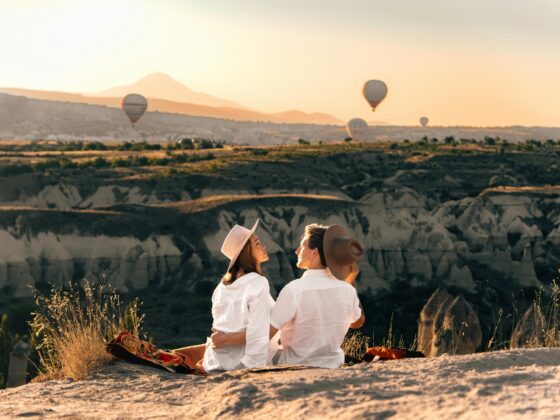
(221, 339)
(360, 322)
(283, 311)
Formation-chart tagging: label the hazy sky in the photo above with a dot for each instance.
(465, 62)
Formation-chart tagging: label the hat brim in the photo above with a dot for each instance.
(340, 271)
(238, 251)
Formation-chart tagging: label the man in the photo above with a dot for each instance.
(314, 312)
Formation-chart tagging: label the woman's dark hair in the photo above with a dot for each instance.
(316, 233)
(245, 261)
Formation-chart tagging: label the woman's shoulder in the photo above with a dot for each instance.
(257, 281)
(258, 278)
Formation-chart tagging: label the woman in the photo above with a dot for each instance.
(240, 302)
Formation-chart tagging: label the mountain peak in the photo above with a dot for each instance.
(157, 76)
(162, 86)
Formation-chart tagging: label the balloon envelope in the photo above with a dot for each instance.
(134, 106)
(374, 91)
(424, 121)
(356, 128)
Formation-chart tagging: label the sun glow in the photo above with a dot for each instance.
(466, 64)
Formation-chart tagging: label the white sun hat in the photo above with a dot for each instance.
(235, 241)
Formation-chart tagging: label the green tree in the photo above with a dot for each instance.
(185, 143)
(449, 140)
(203, 144)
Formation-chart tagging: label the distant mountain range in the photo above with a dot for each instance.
(162, 86)
(168, 95)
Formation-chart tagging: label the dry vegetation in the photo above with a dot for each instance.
(547, 325)
(71, 329)
(139, 160)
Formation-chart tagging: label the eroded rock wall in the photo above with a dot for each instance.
(407, 237)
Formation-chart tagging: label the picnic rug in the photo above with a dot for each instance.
(130, 348)
(386, 353)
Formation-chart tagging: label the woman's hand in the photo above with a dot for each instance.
(351, 277)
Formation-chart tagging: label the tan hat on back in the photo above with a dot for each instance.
(341, 251)
(235, 241)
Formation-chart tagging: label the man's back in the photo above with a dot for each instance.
(314, 314)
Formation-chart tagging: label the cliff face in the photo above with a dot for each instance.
(127, 262)
(426, 221)
(513, 235)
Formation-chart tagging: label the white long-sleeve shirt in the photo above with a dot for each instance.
(313, 314)
(243, 305)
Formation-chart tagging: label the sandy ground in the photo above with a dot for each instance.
(510, 384)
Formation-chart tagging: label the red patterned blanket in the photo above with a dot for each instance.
(130, 348)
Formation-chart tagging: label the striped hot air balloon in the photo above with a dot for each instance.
(134, 106)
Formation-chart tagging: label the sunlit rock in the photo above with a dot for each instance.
(427, 318)
(456, 329)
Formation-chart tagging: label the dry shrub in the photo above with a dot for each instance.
(548, 335)
(390, 340)
(71, 328)
(498, 338)
(355, 345)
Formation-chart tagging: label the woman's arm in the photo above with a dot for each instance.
(351, 279)
(360, 322)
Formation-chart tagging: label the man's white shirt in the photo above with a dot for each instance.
(313, 314)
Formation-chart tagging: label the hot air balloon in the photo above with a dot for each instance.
(374, 91)
(356, 128)
(134, 106)
(424, 121)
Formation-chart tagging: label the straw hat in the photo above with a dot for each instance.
(341, 251)
(235, 241)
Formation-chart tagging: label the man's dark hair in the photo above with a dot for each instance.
(316, 233)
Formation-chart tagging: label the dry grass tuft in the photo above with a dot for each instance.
(71, 328)
(548, 335)
(355, 345)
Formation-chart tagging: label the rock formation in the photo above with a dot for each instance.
(81, 229)
(427, 319)
(456, 329)
(448, 325)
(17, 370)
(126, 262)
(402, 237)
